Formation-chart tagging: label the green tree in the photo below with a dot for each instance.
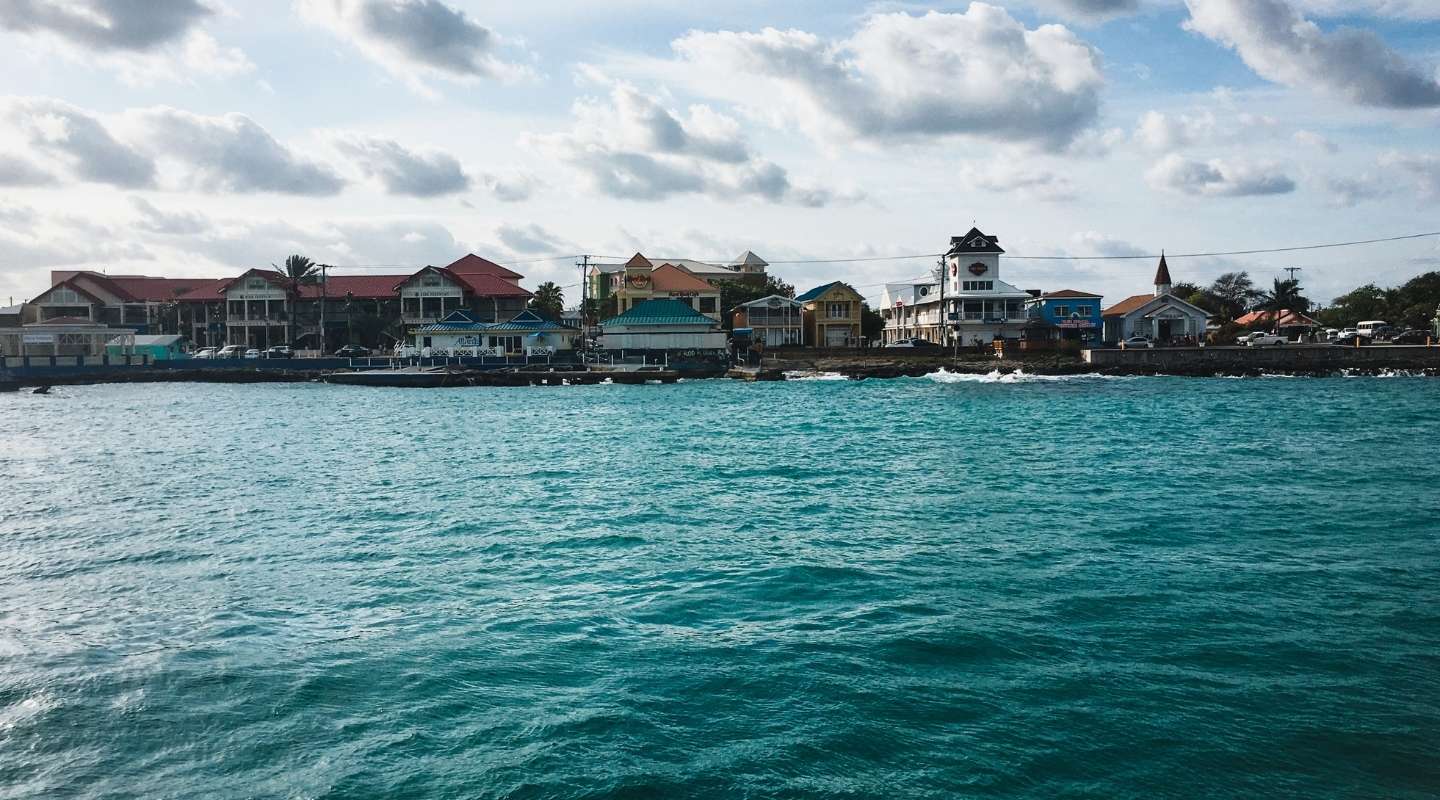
(1367, 302)
(298, 271)
(1197, 295)
(1285, 296)
(871, 324)
(734, 293)
(1233, 294)
(549, 299)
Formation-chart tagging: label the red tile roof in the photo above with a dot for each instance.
(208, 291)
(362, 287)
(1288, 319)
(493, 286)
(145, 288)
(670, 278)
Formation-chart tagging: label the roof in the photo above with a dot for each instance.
(1127, 305)
(65, 321)
(10, 311)
(974, 242)
(670, 278)
(1139, 301)
(1067, 294)
(151, 340)
(664, 311)
(638, 260)
(820, 290)
(471, 264)
(145, 288)
(365, 287)
(749, 259)
(70, 283)
(1162, 273)
(1289, 319)
(209, 291)
(531, 320)
(766, 301)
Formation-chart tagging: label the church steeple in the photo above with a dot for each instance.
(1162, 277)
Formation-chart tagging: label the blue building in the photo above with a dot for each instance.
(1075, 315)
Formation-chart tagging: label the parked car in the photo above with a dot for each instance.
(1137, 343)
(1331, 333)
(1350, 339)
(1345, 332)
(912, 342)
(353, 351)
(280, 351)
(204, 352)
(232, 351)
(1266, 340)
(252, 353)
(1411, 336)
(1244, 338)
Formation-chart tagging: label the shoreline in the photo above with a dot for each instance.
(851, 368)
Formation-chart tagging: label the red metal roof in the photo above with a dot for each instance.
(472, 264)
(1289, 319)
(145, 288)
(1067, 293)
(493, 286)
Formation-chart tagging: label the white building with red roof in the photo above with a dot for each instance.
(1160, 315)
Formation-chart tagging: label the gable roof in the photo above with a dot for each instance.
(820, 290)
(1162, 273)
(765, 301)
(532, 320)
(974, 242)
(1288, 319)
(638, 260)
(471, 264)
(1136, 302)
(670, 278)
(69, 283)
(661, 311)
(1067, 294)
(147, 289)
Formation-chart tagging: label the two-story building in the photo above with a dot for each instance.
(139, 302)
(642, 280)
(615, 287)
(964, 300)
(773, 320)
(662, 324)
(1074, 315)
(833, 313)
(464, 332)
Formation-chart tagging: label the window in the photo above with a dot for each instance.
(837, 310)
(1085, 311)
(257, 283)
(1062, 311)
(412, 306)
(65, 296)
(430, 279)
(237, 308)
(978, 286)
(707, 305)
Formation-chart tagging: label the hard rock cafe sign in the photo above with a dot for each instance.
(978, 268)
(638, 281)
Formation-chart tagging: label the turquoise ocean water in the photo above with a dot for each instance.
(1084, 587)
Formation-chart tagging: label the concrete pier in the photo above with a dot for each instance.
(1305, 358)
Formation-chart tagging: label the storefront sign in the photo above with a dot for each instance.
(1076, 323)
(684, 294)
(639, 281)
(38, 338)
(978, 268)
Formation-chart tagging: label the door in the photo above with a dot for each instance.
(836, 335)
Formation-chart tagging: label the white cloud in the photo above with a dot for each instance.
(511, 186)
(415, 38)
(78, 140)
(1096, 243)
(1090, 11)
(232, 153)
(630, 146)
(1316, 141)
(170, 223)
(531, 239)
(1348, 192)
(143, 42)
(907, 78)
(1218, 177)
(1163, 132)
(1010, 175)
(402, 171)
(1276, 41)
(1422, 170)
(15, 171)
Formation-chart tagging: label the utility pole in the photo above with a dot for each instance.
(584, 264)
(1292, 271)
(323, 268)
(944, 318)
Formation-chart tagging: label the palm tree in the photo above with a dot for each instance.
(298, 271)
(549, 298)
(1235, 293)
(1285, 296)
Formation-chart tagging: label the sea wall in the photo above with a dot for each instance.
(1294, 358)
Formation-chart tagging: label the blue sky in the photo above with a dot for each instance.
(187, 137)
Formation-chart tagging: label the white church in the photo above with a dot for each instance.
(1160, 315)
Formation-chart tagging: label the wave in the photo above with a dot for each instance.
(1019, 376)
(808, 375)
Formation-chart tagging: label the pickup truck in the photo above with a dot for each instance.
(1266, 340)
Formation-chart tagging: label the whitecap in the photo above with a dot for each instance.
(810, 375)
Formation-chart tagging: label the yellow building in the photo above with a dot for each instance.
(833, 313)
(644, 280)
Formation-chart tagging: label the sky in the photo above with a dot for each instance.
(206, 137)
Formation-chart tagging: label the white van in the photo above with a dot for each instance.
(1372, 327)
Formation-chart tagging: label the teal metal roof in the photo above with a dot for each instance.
(660, 312)
(816, 292)
(529, 320)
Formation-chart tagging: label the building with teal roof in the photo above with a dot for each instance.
(461, 333)
(662, 324)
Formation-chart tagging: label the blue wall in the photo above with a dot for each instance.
(1050, 309)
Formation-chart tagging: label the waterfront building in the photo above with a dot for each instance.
(61, 336)
(257, 310)
(1074, 314)
(965, 299)
(155, 346)
(464, 332)
(662, 324)
(833, 313)
(615, 287)
(774, 320)
(1160, 315)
